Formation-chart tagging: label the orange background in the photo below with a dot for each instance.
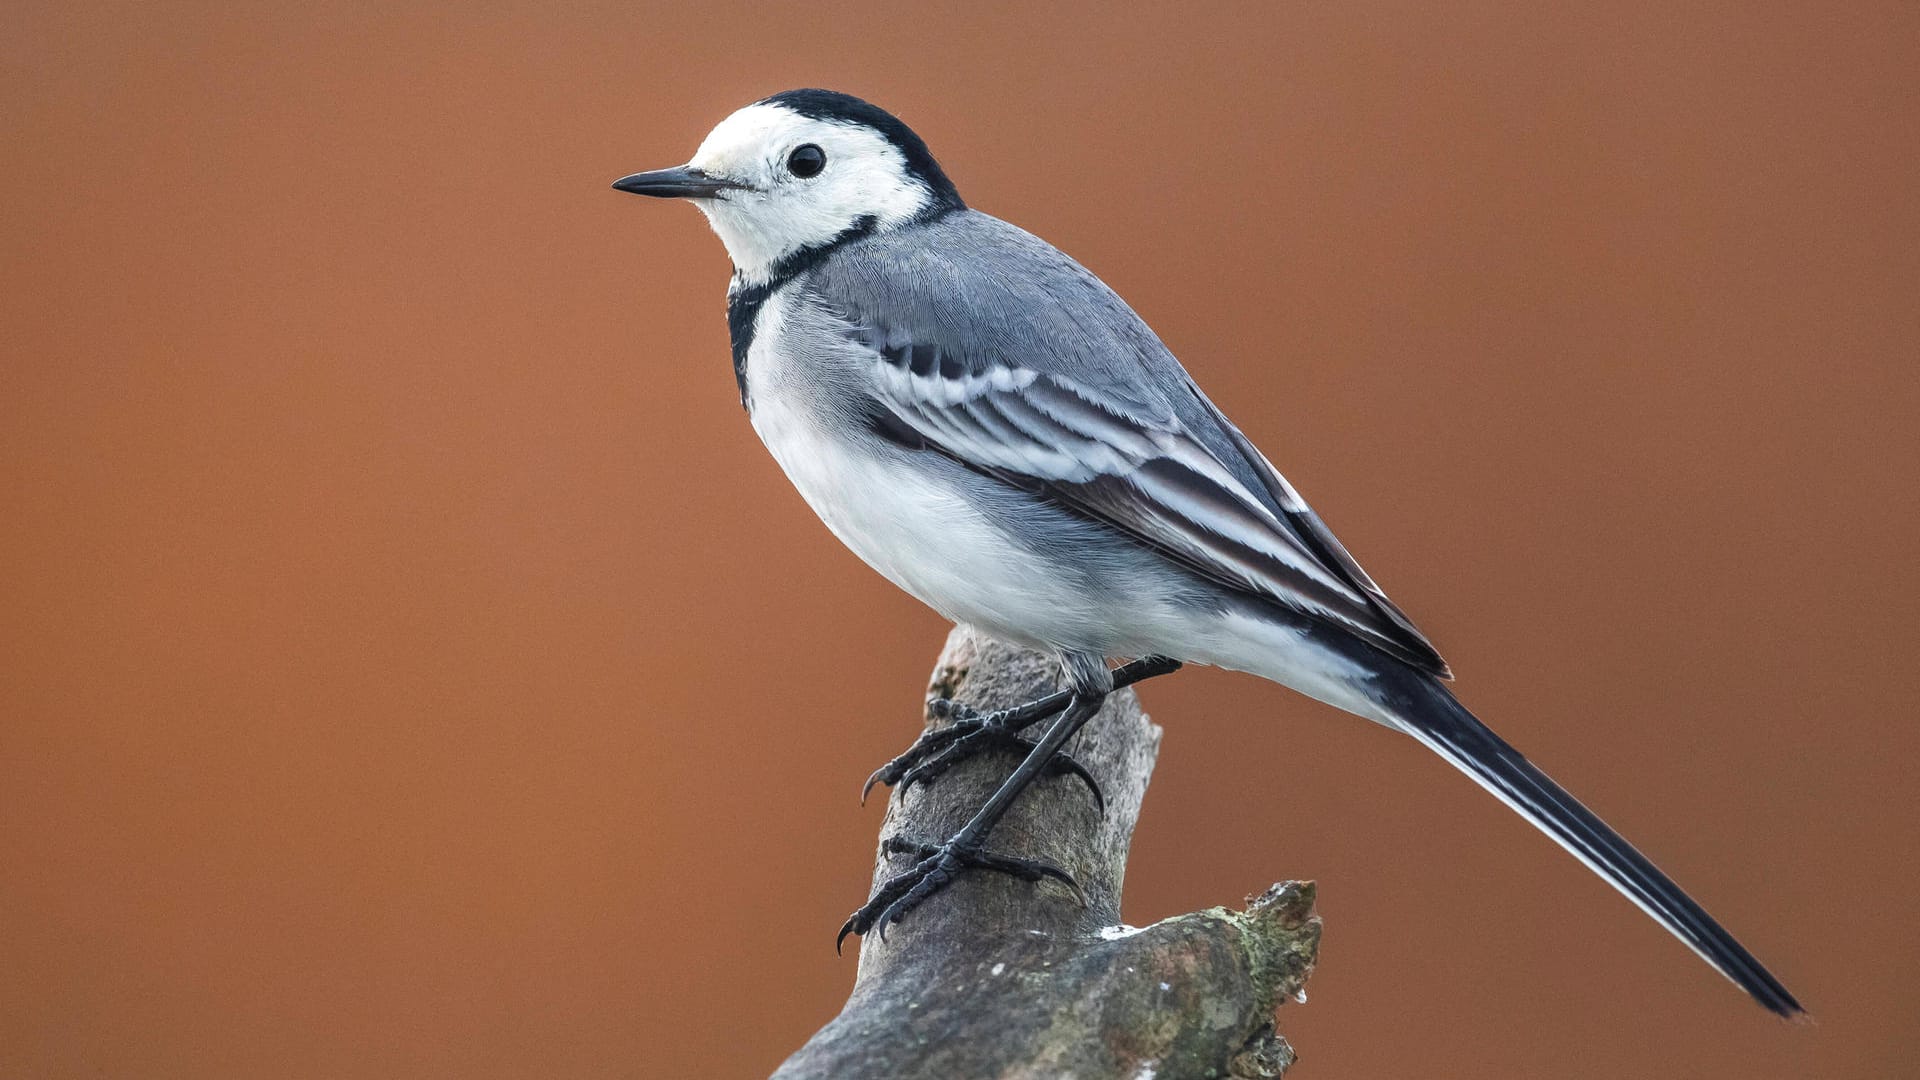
(412, 665)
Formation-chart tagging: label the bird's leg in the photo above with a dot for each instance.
(972, 733)
(939, 864)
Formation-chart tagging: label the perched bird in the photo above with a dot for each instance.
(989, 426)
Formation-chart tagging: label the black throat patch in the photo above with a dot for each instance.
(744, 303)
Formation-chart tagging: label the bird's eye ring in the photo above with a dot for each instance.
(806, 161)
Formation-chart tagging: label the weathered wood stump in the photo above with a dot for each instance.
(1000, 978)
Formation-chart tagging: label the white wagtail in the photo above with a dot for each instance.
(990, 427)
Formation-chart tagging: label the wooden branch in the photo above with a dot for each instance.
(999, 978)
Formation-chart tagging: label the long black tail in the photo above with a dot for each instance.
(1430, 713)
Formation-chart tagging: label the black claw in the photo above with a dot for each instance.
(932, 766)
(936, 867)
(986, 739)
(927, 759)
(1024, 869)
(948, 709)
(937, 751)
(1063, 765)
(969, 733)
(893, 771)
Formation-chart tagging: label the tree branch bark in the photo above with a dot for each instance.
(999, 978)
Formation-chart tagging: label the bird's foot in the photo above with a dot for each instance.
(971, 734)
(936, 867)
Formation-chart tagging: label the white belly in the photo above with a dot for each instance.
(925, 538)
(921, 534)
(916, 527)
(912, 525)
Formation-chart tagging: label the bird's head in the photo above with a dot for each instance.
(796, 172)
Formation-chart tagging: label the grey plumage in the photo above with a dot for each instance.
(1000, 351)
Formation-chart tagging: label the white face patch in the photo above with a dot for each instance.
(779, 213)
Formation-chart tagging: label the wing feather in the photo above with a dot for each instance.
(995, 349)
(1145, 476)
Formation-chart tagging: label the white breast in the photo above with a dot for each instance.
(914, 526)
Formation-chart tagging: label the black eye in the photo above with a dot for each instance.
(806, 161)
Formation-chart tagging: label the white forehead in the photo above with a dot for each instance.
(763, 133)
(775, 213)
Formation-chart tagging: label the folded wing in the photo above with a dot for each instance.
(1139, 470)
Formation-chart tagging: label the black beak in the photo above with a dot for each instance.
(685, 182)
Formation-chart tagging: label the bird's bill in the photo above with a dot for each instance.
(682, 182)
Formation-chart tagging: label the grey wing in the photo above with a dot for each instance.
(1142, 473)
(988, 345)
(1314, 533)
